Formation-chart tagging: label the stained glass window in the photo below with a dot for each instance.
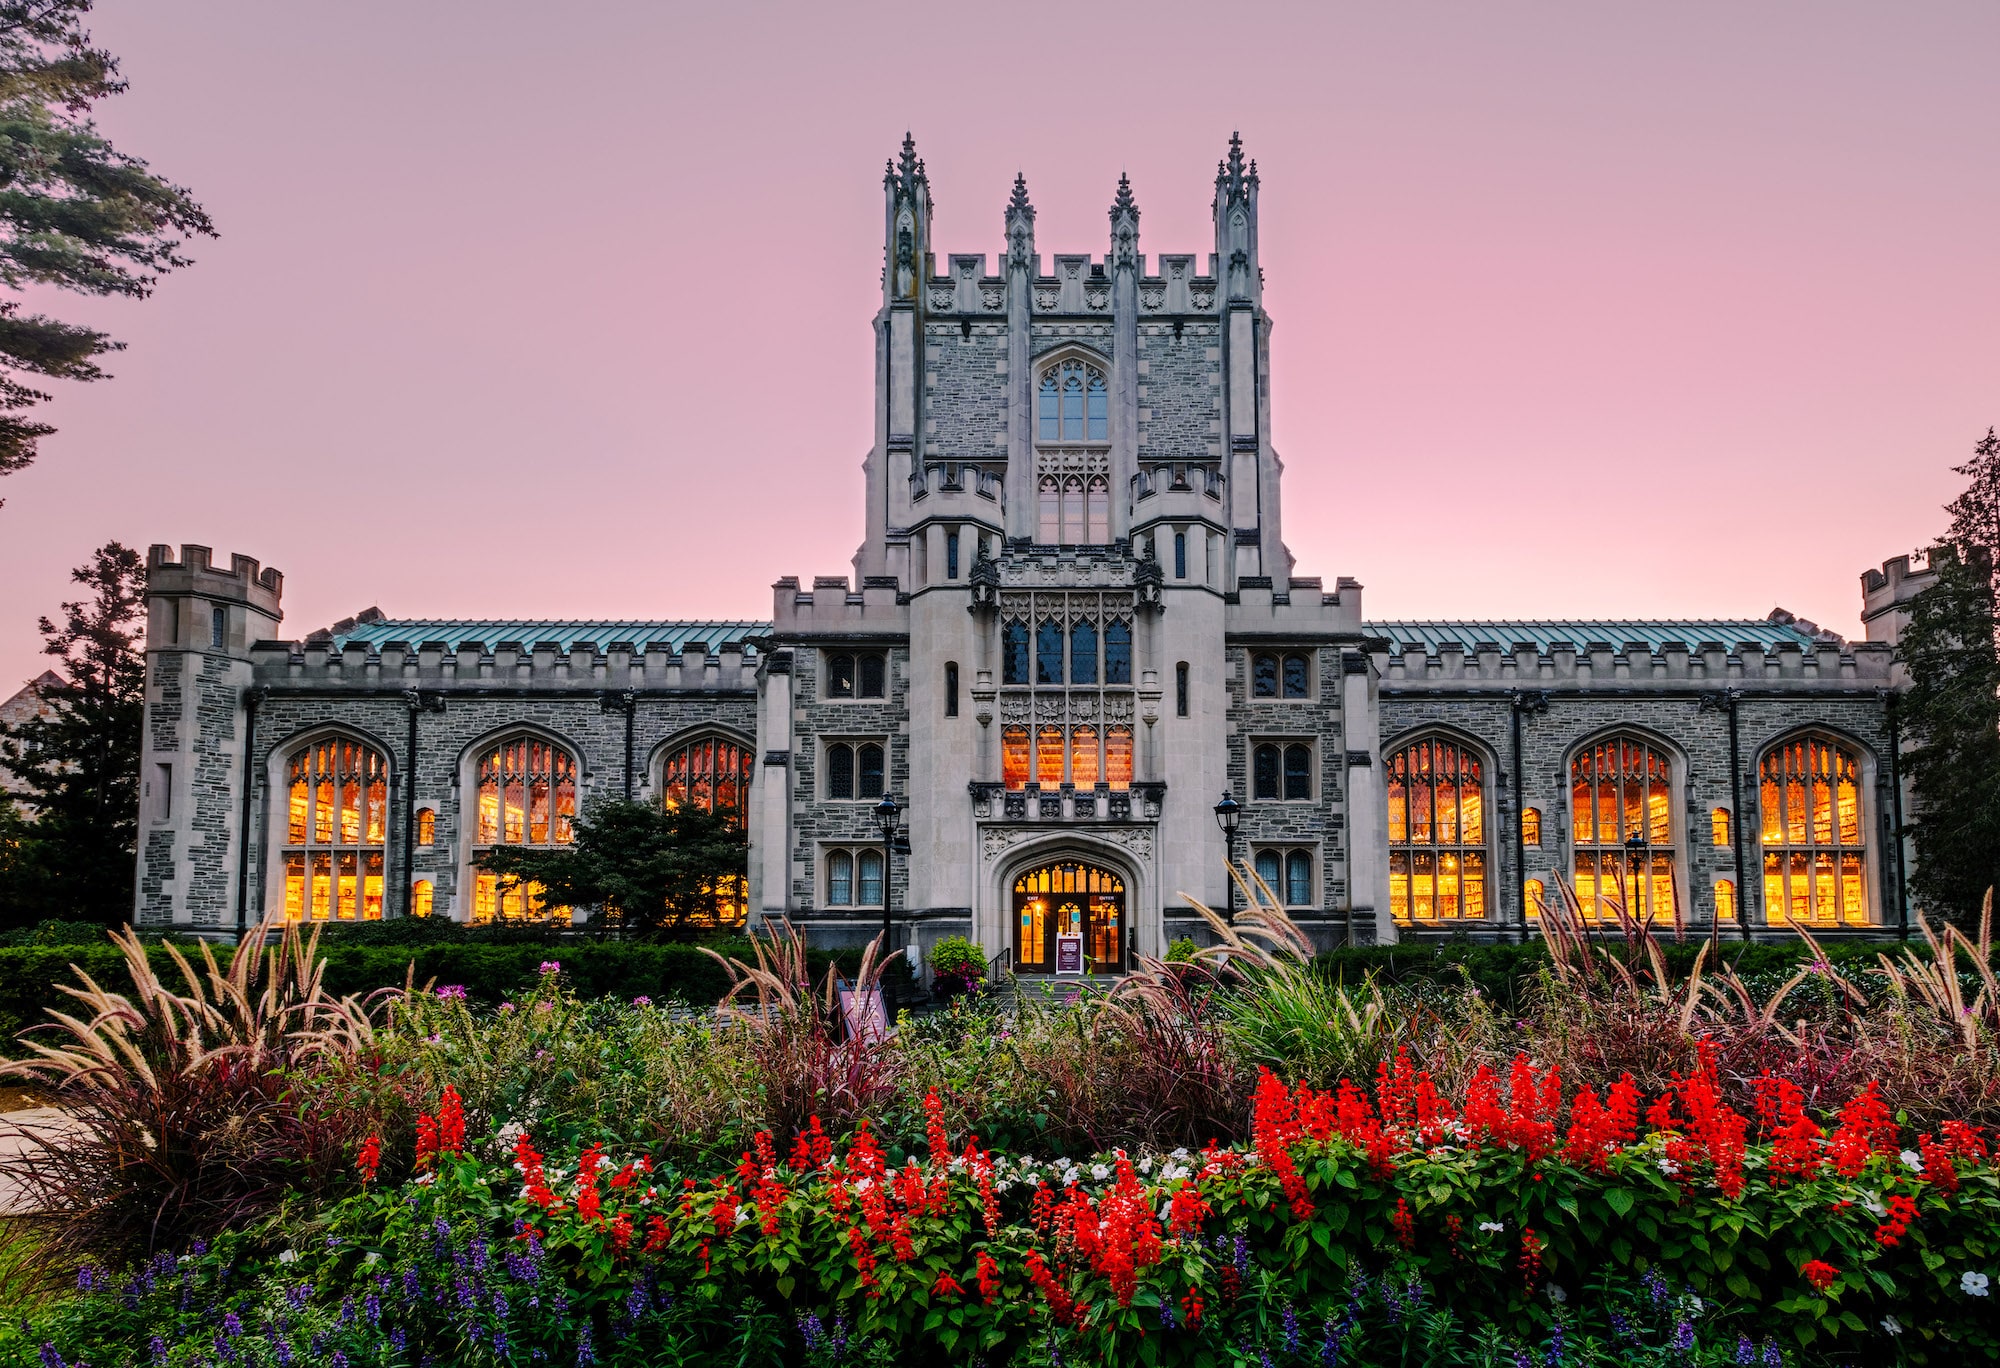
(1083, 652)
(1118, 757)
(336, 831)
(527, 793)
(1621, 812)
(1049, 652)
(712, 773)
(1437, 832)
(1815, 860)
(1014, 653)
(1049, 757)
(1083, 756)
(1014, 757)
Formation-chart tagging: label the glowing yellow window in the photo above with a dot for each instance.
(1535, 890)
(421, 898)
(1815, 861)
(1725, 900)
(1437, 832)
(336, 829)
(1531, 826)
(1718, 827)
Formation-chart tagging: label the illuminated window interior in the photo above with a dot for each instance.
(1531, 826)
(527, 797)
(1014, 757)
(1536, 891)
(1437, 832)
(336, 832)
(1815, 860)
(1725, 900)
(1621, 809)
(426, 826)
(422, 898)
(1069, 898)
(1718, 826)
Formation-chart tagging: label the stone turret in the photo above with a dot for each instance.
(1886, 595)
(202, 622)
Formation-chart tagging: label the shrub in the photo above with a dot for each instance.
(1182, 951)
(957, 966)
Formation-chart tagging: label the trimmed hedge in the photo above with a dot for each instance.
(490, 972)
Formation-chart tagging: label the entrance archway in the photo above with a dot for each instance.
(1069, 897)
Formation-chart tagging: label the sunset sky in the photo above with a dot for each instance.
(532, 310)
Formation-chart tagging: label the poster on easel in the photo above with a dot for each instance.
(1069, 954)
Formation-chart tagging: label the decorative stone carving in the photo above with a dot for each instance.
(1097, 299)
(992, 299)
(1045, 300)
(942, 301)
(1151, 299)
(1202, 299)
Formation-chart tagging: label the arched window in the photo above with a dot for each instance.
(1531, 826)
(874, 672)
(1298, 771)
(426, 826)
(1280, 676)
(1049, 757)
(1264, 767)
(1298, 879)
(1437, 832)
(840, 879)
(1118, 757)
(1815, 860)
(1718, 826)
(1264, 676)
(855, 676)
(854, 771)
(1180, 555)
(1725, 900)
(1083, 652)
(1073, 405)
(1621, 811)
(1536, 892)
(1049, 652)
(1014, 757)
(1097, 511)
(1051, 510)
(1118, 652)
(868, 866)
(712, 773)
(1295, 681)
(1270, 868)
(840, 676)
(336, 831)
(840, 771)
(1072, 511)
(526, 797)
(1014, 653)
(1083, 756)
(422, 898)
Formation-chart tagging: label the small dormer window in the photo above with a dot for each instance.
(1074, 405)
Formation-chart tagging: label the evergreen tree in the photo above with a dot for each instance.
(675, 871)
(80, 765)
(75, 212)
(1951, 649)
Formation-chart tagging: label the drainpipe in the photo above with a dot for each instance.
(414, 701)
(251, 698)
(1896, 813)
(1522, 702)
(1736, 818)
(631, 711)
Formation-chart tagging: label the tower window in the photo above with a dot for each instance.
(423, 900)
(951, 555)
(1049, 652)
(1180, 555)
(1014, 757)
(1014, 653)
(854, 878)
(1298, 772)
(1725, 900)
(1083, 652)
(855, 676)
(218, 627)
(951, 688)
(1181, 689)
(1288, 874)
(1118, 652)
(873, 672)
(1073, 405)
(1531, 826)
(426, 826)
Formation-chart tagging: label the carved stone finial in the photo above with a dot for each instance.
(1233, 180)
(1124, 203)
(1018, 202)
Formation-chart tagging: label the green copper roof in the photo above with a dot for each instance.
(672, 638)
(1691, 633)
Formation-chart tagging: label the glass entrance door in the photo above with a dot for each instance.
(1069, 898)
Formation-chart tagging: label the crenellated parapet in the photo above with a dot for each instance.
(1886, 594)
(524, 664)
(835, 607)
(1656, 662)
(1304, 611)
(194, 574)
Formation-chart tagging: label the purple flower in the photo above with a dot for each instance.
(50, 1358)
(1746, 1352)
(642, 1001)
(231, 1326)
(551, 966)
(159, 1348)
(506, 1008)
(1683, 1335)
(1774, 1357)
(585, 1355)
(811, 1331)
(1167, 1313)
(1291, 1329)
(452, 992)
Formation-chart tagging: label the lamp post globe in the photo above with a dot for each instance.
(1228, 813)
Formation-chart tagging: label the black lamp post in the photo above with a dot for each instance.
(1228, 813)
(888, 816)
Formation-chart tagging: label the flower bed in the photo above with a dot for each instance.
(1548, 1226)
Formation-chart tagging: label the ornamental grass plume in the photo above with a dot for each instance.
(194, 1106)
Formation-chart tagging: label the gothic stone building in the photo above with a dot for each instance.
(1072, 625)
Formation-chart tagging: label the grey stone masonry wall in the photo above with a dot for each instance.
(818, 821)
(1180, 392)
(965, 379)
(1679, 699)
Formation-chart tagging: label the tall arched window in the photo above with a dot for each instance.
(1118, 652)
(1437, 832)
(1118, 757)
(1621, 800)
(336, 831)
(1097, 511)
(1815, 860)
(1014, 757)
(1049, 652)
(711, 773)
(1083, 756)
(1083, 652)
(854, 771)
(1049, 757)
(526, 797)
(1014, 653)
(1073, 405)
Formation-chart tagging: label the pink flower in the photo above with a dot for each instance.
(551, 966)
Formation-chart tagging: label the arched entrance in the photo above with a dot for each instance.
(1065, 898)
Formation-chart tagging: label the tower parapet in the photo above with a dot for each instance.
(1886, 594)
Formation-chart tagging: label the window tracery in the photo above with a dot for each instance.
(712, 772)
(336, 831)
(854, 770)
(1281, 773)
(526, 796)
(1621, 801)
(1815, 859)
(1073, 404)
(1073, 722)
(1437, 832)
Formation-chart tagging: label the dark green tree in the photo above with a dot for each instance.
(673, 872)
(79, 766)
(75, 212)
(1951, 648)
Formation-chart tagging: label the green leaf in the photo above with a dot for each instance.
(1620, 1200)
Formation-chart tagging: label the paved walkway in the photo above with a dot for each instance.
(16, 1130)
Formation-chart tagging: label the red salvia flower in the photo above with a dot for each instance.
(864, 1261)
(1592, 1133)
(427, 1141)
(1902, 1211)
(1798, 1151)
(1405, 1224)
(450, 1122)
(1531, 1259)
(1186, 1210)
(934, 1131)
(946, 1286)
(656, 1235)
(1623, 1107)
(1273, 1127)
(621, 1232)
(1965, 1141)
(1940, 1168)
(1819, 1275)
(369, 1161)
(1191, 1307)
(989, 1278)
(1454, 1230)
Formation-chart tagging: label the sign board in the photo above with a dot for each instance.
(1069, 953)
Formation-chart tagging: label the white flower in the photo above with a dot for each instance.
(1668, 1166)
(1495, 1226)
(1034, 1178)
(292, 1256)
(1100, 1172)
(1180, 1153)
(1973, 1284)
(1002, 1184)
(741, 1216)
(1873, 1207)
(1911, 1159)
(1557, 1295)
(863, 1184)
(373, 1257)
(1069, 1177)
(1891, 1326)
(426, 1180)
(957, 1164)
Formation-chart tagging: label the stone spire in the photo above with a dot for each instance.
(1235, 210)
(1020, 224)
(1124, 203)
(906, 193)
(1124, 226)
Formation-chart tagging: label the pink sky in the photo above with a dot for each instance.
(1582, 309)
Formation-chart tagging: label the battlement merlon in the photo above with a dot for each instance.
(540, 667)
(1886, 594)
(833, 607)
(1302, 612)
(1635, 665)
(194, 575)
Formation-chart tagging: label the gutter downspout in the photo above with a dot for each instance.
(415, 703)
(1896, 814)
(251, 698)
(1520, 847)
(631, 712)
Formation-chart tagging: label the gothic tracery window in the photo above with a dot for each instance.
(712, 773)
(1437, 832)
(336, 831)
(1621, 801)
(527, 796)
(1815, 860)
(1073, 405)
